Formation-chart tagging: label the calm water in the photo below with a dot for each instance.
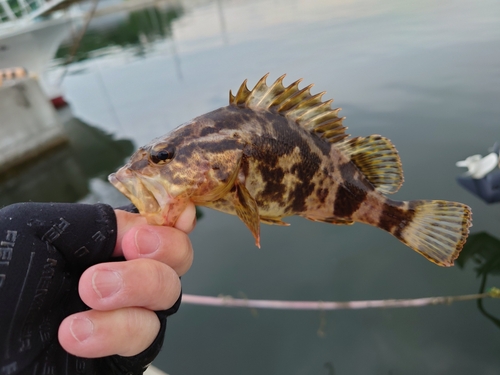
(424, 74)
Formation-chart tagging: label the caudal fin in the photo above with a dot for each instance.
(437, 229)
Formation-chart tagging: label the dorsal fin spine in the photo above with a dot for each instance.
(334, 132)
(319, 113)
(298, 105)
(335, 122)
(254, 96)
(316, 116)
(274, 90)
(308, 106)
(337, 138)
(290, 90)
(242, 93)
(295, 99)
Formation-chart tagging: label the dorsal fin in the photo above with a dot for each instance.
(298, 105)
(378, 159)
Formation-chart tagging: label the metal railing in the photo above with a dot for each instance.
(16, 10)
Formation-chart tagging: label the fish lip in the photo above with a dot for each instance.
(157, 190)
(131, 185)
(122, 188)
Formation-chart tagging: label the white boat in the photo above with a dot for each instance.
(30, 36)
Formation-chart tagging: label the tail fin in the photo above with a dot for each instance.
(437, 229)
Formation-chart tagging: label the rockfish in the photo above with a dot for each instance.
(278, 151)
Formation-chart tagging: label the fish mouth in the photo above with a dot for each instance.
(147, 194)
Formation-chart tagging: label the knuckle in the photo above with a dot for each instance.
(141, 324)
(165, 286)
(133, 322)
(176, 249)
(182, 256)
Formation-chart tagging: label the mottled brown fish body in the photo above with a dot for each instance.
(279, 151)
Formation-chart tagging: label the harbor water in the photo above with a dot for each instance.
(424, 74)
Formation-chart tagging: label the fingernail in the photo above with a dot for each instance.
(81, 329)
(106, 283)
(147, 241)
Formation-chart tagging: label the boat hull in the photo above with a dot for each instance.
(33, 45)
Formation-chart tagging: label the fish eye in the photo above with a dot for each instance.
(162, 156)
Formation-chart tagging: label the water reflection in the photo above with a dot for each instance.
(137, 31)
(424, 74)
(63, 175)
(329, 367)
(483, 250)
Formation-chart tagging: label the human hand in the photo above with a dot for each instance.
(124, 295)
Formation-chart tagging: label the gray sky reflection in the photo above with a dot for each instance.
(424, 74)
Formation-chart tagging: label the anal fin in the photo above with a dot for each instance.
(330, 220)
(273, 221)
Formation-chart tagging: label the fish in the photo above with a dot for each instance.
(279, 151)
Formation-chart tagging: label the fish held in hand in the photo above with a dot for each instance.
(279, 151)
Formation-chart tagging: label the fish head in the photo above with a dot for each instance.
(163, 176)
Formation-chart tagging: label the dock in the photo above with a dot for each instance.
(29, 125)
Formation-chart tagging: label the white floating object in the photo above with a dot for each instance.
(154, 371)
(479, 166)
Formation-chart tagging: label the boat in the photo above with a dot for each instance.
(30, 34)
(483, 176)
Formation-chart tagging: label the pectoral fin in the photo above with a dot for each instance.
(247, 211)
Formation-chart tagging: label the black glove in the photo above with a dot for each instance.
(44, 249)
